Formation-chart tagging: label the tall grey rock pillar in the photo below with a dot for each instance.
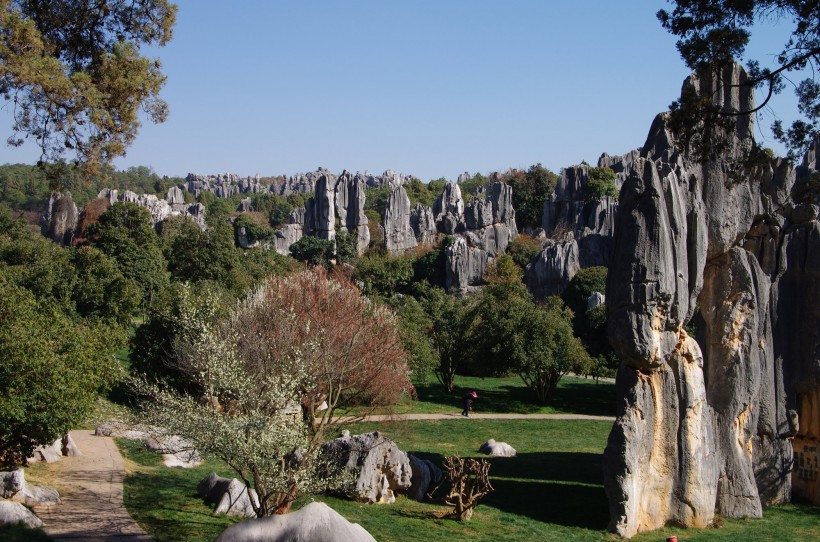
(60, 220)
(701, 425)
(322, 209)
(350, 199)
(398, 234)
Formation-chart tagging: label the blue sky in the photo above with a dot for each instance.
(429, 87)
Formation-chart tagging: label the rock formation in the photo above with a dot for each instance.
(160, 209)
(380, 467)
(60, 221)
(230, 496)
(497, 449)
(482, 232)
(350, 199)
(552, 270)
(398, 234)
(424, 224)
(14, 488)
(14, 512)
(703, 426)
(320, 213)
(316, 522)
(426, 476)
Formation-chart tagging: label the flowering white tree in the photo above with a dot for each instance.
(258, 379)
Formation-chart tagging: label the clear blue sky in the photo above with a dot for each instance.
(425, 87)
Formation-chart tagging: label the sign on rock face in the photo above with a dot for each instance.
(806, 469)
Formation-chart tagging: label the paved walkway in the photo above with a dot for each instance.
(92, 511)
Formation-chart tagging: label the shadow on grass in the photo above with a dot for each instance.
(553, 487)
(21, 533)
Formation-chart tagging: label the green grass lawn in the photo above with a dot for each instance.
(510, 396)
(553, 490)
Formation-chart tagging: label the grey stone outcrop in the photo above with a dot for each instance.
(595, 299)
(230, 496)
(159, 209)
(424, 224)
(426, 476)
(381, 469)
(350, 200)
(485, 232)
(554, 267)
(175, 450)
(707, 425)
(448, 210)
(398, 234)
(60, 221)
(13, 487)
(322, 210)
(315, 522)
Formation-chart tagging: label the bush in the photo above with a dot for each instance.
(601, 183)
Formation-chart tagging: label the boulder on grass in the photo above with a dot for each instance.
(229, 495)
(118, 429)
(426, 475)
(13, 486)
(497, 449)
(14, 512)
(380, 467)
(176, 451)
(316, 522)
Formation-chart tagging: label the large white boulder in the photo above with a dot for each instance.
(14, 512)
(497, 449)
(316, 522)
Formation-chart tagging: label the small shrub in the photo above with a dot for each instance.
(469, 481)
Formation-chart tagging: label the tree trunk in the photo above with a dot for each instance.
(465, 514)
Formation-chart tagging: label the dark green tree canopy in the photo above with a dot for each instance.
(73, 74)
(716, 32)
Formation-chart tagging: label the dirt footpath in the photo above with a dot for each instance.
(92, 511)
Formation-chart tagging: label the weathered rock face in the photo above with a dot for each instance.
(316, 522)
(160, 209)
(448, 210)
(591, 223)
(382, 469)
(322, 210)
(554, 268)
(485, 232)
(350, 199)
(230, 496)
(13, 487)
(424, 224)
(426, 476)
(705, 426)
(398, 234)
(60, 221)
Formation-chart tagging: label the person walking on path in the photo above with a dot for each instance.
(467, 401)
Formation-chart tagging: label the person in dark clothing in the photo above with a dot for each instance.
(467, 401)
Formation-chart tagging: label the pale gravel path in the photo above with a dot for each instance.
(93, 510)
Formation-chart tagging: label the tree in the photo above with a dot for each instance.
(531, 189)
(514, 334)
(51, 370)
(601, 183)
(124, 232)
(450, 322)
(714, 34)
(263, 382)
(312, 250)
(544, 348)
(73, 74)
